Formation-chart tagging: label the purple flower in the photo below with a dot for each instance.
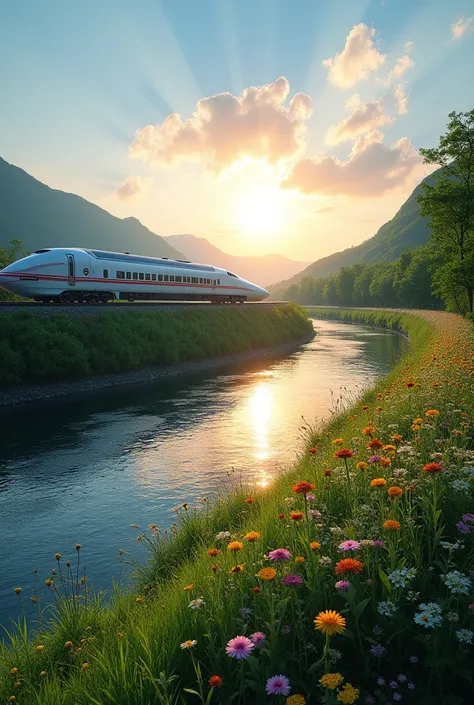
(239, 647)
(393, 684)
(377, 629)
(397, 696)
(370, 699)
(258, 638)
(379, 544)
(378, 650)
(411, 686)
(380, 681)
(348, 545)
(278, 685)
(463, 528)
(310, 497)
(469, 518)
(374, 459)
(280, 554)
(343, 585)
(292, 580)
(245, 612)
(286, 629)
(401, 678)
(413, 659)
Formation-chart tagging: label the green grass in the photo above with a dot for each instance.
(131, 646)
(35, 349)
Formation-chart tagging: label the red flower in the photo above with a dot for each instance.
(327, 473)
(312, 451)
(215, 681)
(303, 487)
(256, 590)
(375, 444)
(410, 385)
(433, 467)
(249, 500)
(344, 453)
(348, 566)
(281, 516)
(296, 516)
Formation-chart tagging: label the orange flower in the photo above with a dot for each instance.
(252, 536)
(214, 568)
(348, 566)
(303, 487)
(385, 462)
(249, 500)
(362, 465)
(432, 412)
(327, 473)
(391, 525)
(418, 420)
(395, 492)
(215, 681)
(213, 552)
(314, 545)
(281, 516)
(267, 574)
(337, 442)
(299, 560)
(410, 384)
(236, 569)
(235, 546)
(296, 516)
(432, 467)
(375, 444)
(389, 449)
(312, 451)
(188, 588)
(365, 407)
(330, 622)
(345, 453)
(396, 438)
(369, 430)
(378, 482)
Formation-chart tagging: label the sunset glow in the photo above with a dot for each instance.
(260, 212)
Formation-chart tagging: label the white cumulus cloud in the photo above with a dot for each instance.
(225, 129)
(363, 117)
(359, 58)
(462, 26)
(131, 188)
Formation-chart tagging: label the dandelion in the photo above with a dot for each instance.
(258, 638)
(280, 554)
(292, 580)
(331, 680)
(278, 685)
(392, 525)
(348, 566)
(196, 604)
(342, 585)
(330, 622)
(464, 636)
(239, 647)
(378, 482)
(189, 644)
(235, 546)
(252, 536)
(348, 546)
(267, 574)
(315, 545)
(386, 608)
(432, 468)
(394, 492)
(215, 681)
(296, 516)
(348, 695)
(303, 487)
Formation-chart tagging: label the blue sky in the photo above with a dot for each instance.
(79, 79)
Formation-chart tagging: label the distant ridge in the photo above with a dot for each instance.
(40, 216)
(405, 230)
(264, 270)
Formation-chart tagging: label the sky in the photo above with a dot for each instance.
(288, 126)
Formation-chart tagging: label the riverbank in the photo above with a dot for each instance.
(383, 539)
(44, 357)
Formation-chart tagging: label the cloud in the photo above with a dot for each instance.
(401, 98)
(363, 117)
(403, 64)
(225, 129)
(131, 188)
(357, 60)
(462, 26)
(372, 169)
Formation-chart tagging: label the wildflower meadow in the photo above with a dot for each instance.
(349, 580)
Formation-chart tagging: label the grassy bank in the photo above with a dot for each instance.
(35, 349)
(384, 539)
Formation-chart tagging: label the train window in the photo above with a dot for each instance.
(232, 275)
(135, 275)
(141, 275)
(218, 281)
(120, 275)
(153, 277)
(106, 273)
(200, 280)
(129, 275)
(214, 282)
(165, 277)
(147, 277)
(171, 277)
(195, 280)
(160, 277)
(178, 278)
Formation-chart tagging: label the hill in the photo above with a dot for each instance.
(264, 270)
(406, 229)
(40, 216)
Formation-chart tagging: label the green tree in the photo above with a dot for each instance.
(449, 205)
(7, 256)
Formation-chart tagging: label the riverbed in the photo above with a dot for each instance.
(82, 469)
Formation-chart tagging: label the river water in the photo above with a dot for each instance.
(83, 469)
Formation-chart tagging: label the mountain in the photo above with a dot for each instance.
(263, 270)
(406, 229)
(40, 216)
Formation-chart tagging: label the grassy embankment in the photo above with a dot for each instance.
(385, 539)
(35, 349)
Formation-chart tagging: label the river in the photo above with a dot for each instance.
(84, 468)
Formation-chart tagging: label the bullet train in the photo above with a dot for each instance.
(75, 275)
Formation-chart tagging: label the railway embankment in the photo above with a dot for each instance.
(43, 357)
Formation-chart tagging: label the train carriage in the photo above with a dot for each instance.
(75, 275)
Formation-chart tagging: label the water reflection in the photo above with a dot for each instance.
(82, 469)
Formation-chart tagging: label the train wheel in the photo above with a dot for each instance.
(67, 297)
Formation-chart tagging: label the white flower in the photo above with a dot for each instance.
(188, 644)
(223, 536)
(387, 609)
(458, 583)
(464, 636)
(460, 485)
(196, 604)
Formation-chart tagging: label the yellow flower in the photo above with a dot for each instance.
(418, 420)
(235, 546)
(348, 695)
(330, 622)
(68, 645)
(267, 574)
(84, 667)
(236, 569)
(299, 559)
(432, 412)
(40, 649)
(314, 545)
(331, 680)
(296, 700)
(252, 536)
(362, 465)
(337, 442)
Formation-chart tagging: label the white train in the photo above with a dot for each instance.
(75, 275)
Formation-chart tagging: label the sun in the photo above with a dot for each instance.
(260, 211)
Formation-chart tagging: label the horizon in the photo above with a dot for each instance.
(261, 129)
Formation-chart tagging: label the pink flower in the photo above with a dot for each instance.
(280, 554)
(471, 606)
(278, 685)
(258, 638)
(343, 585)
(379, 544)
(348, 546)
(292, 580)
(239, 647)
